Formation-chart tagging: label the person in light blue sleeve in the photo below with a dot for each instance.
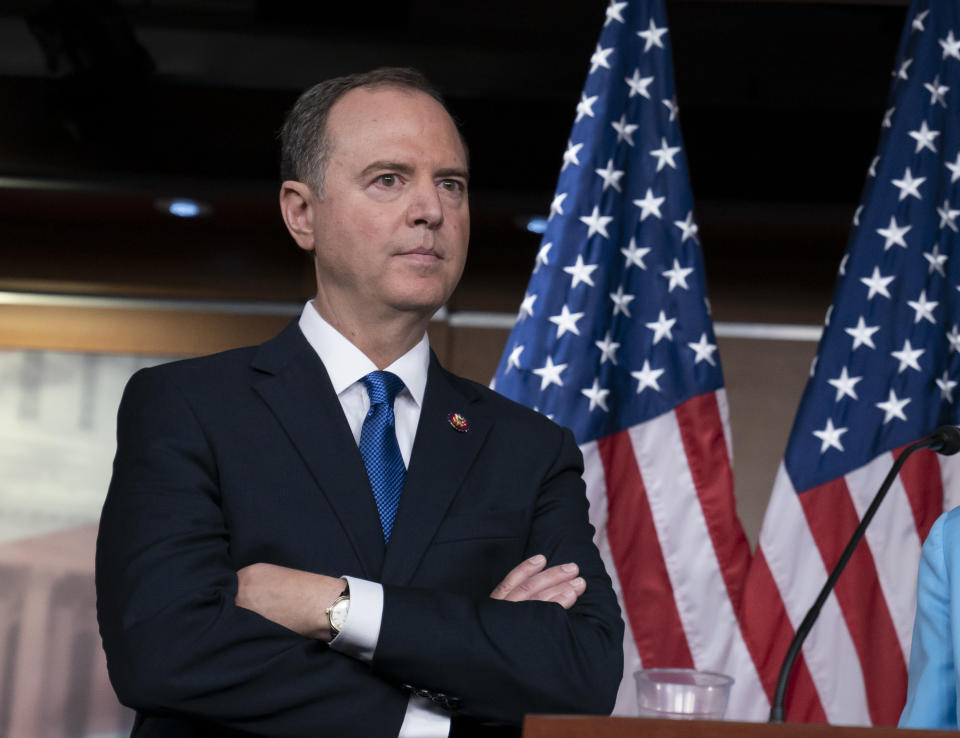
(932, 686)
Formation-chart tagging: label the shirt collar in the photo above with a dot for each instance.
(346, 364)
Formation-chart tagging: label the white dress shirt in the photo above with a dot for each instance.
(346, 366)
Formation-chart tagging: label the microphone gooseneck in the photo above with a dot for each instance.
(944, 440)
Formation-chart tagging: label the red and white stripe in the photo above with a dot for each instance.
(853, 668)
(661, 499)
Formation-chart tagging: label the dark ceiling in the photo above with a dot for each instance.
(106, 105)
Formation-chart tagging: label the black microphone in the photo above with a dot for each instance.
(944, 440)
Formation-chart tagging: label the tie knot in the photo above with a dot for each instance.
(382, 387)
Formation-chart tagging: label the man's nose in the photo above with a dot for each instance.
(426, 207)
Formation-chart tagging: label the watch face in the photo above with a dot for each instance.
(338, 614)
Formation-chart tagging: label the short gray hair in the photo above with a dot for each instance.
(304, 145)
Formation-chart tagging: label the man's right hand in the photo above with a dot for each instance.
(530, 581)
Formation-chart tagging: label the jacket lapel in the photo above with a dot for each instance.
(439, 462)
(296, 387)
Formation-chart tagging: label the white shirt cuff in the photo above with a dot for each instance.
(424, 719)
(361, 630)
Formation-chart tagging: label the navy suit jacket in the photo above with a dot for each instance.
(246, 457)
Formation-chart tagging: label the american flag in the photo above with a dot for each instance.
(614, 340)
(886, 374)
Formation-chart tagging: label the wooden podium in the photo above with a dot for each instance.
(569, 726)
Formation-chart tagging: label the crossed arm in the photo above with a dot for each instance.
(298, 600)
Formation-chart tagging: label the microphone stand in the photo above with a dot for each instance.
(938, 441)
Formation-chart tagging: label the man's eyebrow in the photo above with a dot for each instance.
(453, 172)
(407, 169)
(393, 166)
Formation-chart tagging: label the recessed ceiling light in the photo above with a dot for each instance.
(183, 207)
(536, 224)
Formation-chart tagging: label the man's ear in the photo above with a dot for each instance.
(297, 207)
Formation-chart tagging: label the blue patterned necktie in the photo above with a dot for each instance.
(379, 448)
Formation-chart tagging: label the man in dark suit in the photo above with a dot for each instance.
(329, 534)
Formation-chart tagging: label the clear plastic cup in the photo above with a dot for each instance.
(682, 694)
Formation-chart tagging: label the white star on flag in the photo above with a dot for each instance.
(650, 205)
(862, 334)
(918, 21)
(585, 106)
(566, 321)
(845, 385)
(610, 176)
(526, 307)
(954, 338)
(672, 106)
(937, 91)
(830, 437)
(647, 377)
(556, 205)
(597, 396)
(704, 350)
(624, 130)
(608, 349)
(872, 169)
(549, 374)
(634, 255)
(638, 85)
(514, 361)
(888, 118)
(599, 58)
(661, 328)
(954, 169)
(613, 13)
(936, 259)
(596, 223)
(922, 308)
(664, 155)
(902, 72)
(894, 234)
(907, 356)
(652, 36)
(924, 138)
(893, 407)
(688, 227)
(948, 216)
(621, 302)
(950, 45)
(677, 276)
(946, 386)
(581, 272)
(542, 256)
(570, 155)
(908, 186)
(877, 283)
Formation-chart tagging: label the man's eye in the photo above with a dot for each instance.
(387, 180)
(452, 185)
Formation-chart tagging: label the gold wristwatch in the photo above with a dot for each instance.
(337, 612)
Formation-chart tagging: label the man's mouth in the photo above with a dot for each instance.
(422, 254)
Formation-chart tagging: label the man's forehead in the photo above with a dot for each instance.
(380, 121)
(384, 102)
